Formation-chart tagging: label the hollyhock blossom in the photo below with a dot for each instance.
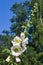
(16, 50)
(16, 41)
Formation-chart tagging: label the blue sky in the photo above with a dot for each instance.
(6, 14)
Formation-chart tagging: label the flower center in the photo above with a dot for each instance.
(16, 49)
(16, 40)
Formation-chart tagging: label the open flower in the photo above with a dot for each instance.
(16, 50)
(16, 41)
(8, 59)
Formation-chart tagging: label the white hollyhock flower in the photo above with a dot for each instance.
(8, 59)
(18, 59)
(22, 35)
(25, 42)
(16, 41)
(16, 50)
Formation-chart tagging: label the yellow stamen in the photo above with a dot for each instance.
(16, 40)
(16, 49)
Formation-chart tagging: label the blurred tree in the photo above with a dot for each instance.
(21, 13)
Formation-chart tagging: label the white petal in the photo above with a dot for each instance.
(18, 38)
(15, 43)
(8, 59)
(16, 54)
(25, 42)
(18, 59)
(24, 50)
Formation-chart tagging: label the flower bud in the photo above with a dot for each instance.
(22, 36)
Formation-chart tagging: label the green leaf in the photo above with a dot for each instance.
(6, 51)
